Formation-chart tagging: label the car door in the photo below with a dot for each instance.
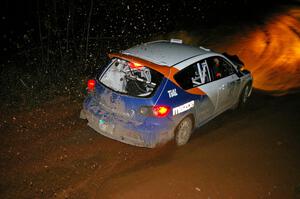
(198, 75)
(225, 80)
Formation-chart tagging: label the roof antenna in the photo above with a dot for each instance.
(178, 41)
(206, 49)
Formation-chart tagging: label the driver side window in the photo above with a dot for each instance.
(220, 67)
(194, 75)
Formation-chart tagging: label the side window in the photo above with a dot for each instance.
(220, 67)
(193, 75)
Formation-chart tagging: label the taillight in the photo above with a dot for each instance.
(157, 110)
(160, 111)
(134, 65)
(91, 85)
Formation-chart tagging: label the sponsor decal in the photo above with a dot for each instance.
(184, 107)
(172, 93)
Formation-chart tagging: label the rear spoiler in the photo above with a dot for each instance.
(235, 59)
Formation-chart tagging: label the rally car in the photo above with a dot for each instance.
(160, 91)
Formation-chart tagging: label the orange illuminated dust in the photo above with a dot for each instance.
(272, 53)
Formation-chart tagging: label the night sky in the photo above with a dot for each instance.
(26, 24)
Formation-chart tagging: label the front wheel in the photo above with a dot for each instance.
(244, 96)
(183, 131)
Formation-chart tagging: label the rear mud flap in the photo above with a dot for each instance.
(82, 114)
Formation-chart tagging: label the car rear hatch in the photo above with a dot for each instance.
(123, 88)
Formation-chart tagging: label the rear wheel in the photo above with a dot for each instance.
(184, 131)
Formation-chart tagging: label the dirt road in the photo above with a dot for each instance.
(252, 153)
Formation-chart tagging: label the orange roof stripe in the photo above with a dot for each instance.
(196, 91)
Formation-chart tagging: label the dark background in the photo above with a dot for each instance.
(65, 24)
(51, 47)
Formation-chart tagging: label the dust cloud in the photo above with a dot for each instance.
(271, 50)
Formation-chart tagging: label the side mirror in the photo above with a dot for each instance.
(239, 67)
(245, 71)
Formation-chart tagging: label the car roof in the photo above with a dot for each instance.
(165, 52)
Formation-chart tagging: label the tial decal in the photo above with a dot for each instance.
(172, 93)
(184, 107)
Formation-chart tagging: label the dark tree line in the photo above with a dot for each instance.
(53, 44)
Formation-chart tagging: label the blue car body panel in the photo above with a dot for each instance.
(122, 111)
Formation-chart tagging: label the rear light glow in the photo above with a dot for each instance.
(135, 65)
(160, 110)
(155, 111)
(91, 85)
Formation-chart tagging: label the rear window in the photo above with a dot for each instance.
(130, 78)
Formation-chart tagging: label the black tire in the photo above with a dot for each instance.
(244, 96)
(184, 131)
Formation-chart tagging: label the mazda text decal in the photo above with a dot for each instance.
(182, 108)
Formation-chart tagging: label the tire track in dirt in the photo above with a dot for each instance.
(60, 156)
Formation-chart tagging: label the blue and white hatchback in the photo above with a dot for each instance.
(158, 91)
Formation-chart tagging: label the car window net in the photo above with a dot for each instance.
(194, 75)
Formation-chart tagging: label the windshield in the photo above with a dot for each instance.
(130, 78)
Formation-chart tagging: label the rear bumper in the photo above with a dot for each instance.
(142, 135)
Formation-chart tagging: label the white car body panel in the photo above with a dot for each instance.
(164, 52)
